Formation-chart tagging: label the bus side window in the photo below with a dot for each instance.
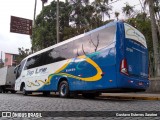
(66, 51)
(102, 38)
(87, 45)
(34, 61)
(51, 56)
(77, 48)
(19, 69)
(82, 47)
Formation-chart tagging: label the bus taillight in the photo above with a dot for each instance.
(124, 67)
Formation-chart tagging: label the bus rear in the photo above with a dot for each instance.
(133, 65)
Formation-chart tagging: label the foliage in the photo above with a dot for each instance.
(76, 17)
(22, 54)
(117, 15)
(101, 8)
(79, 16)
(44, 31)
(44, 1)
(127, 10)
(143, 24)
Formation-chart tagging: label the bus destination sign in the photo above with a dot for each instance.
(21, 25)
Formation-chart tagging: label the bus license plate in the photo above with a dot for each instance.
(140, 83)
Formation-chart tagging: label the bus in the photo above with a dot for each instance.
(111, 58)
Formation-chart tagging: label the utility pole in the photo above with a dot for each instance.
(1, 56)
(34, 17)
(1, 61)
(57, 21)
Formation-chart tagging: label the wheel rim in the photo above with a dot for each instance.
(24, 91)
(63, 89)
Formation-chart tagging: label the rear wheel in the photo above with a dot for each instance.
(5, 91)
(64, 89)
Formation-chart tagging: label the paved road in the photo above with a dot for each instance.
(18, 102)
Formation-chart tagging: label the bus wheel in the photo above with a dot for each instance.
(1, 90)
(64, 89)
(5, 91)
(24, 92)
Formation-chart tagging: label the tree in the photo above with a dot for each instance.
(143, 24)
(101, 8)
(117, 15)
(76, 17)
(44, 31)
(22, 54)
(104, 10)
(43, 2)
(157, 14)
(127, 10)
(77, 11)
(154, 35)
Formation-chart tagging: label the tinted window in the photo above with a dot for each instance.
(34, 61)
(65, 51)
(102, 38)
(19, 69)
(52, 56)
(94, 41)
(82, 46)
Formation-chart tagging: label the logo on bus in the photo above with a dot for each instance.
(37, 71)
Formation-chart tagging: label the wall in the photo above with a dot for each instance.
(8, 59)
(154, 85)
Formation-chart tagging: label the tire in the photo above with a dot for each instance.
(64, 89)
(1, 90)
(24, 92)
(5, 91)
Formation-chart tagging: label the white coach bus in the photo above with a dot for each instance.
(97, 61)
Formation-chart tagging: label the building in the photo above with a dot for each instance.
(10, 59)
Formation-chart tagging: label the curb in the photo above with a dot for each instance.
(130, 97)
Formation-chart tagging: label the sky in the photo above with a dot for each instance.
(10, 42)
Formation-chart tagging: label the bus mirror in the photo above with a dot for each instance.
(15, 69)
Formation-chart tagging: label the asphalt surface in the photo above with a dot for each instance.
(103, 104)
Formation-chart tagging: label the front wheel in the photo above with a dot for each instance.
(64, 89)
(1, 89)
(24, 92)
